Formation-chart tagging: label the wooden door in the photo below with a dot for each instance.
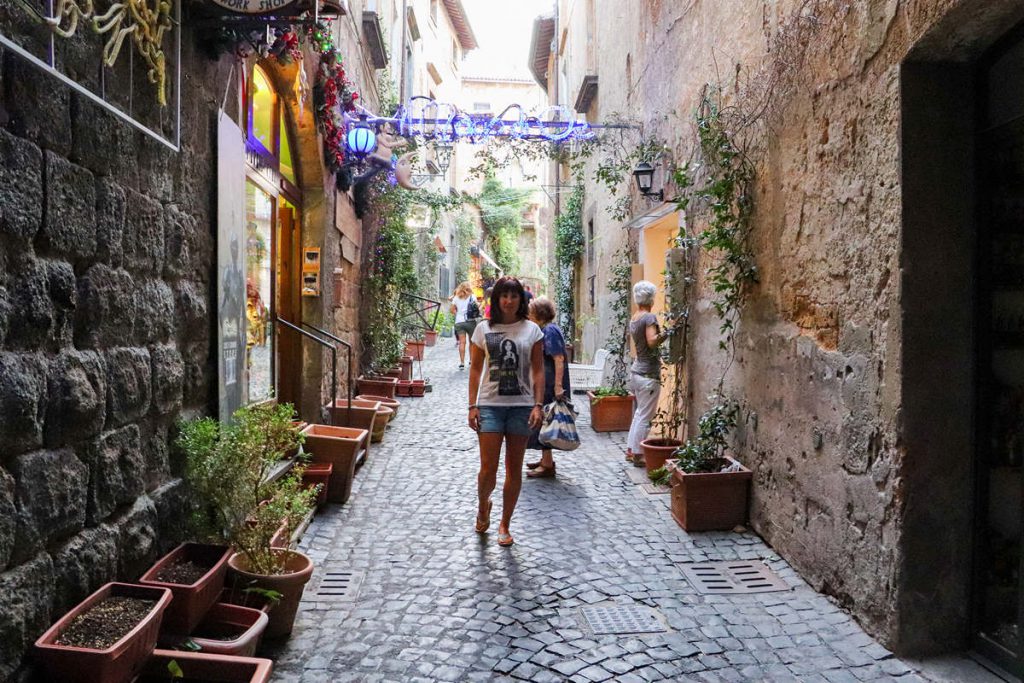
(289, 356)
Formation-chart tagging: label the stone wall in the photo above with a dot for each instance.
(820, 365)
(105, 264)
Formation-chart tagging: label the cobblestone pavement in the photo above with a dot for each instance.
(437, 602)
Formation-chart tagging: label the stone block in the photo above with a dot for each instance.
(107, 307)
(63, 290)
(156, 456)
(191, 309)
(117, 472)
(143, 236)
(197, 373)
(102, 142)
(32, 309)
(111, 200)
(82, 565)
(25, 611)
(155, 318)
(76, 398)
(50, 498)
(7, 517)
(136, 538)
(5, 314)
(187, 249)
(23, 388)
(172, 511)
(21, 186)
(39, 109)
(69, 224)
(129, 385)
(168, 378)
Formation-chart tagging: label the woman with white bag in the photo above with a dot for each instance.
(556, 381)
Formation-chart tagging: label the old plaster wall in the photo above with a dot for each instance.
(105, 279)
(819, 364)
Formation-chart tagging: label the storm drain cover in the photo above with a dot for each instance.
(744, 576)
(335, 586)
(619, 619)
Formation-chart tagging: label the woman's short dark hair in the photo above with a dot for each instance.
(507, 284)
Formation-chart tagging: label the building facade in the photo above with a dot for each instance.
(876, 362)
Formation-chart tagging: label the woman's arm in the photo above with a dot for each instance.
(559, 369)
(476, 368)
(537, 372)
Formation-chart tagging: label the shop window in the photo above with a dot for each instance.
(263, 113)
(259, 338)
(284, 157)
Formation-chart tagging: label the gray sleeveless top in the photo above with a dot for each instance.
(648, 362)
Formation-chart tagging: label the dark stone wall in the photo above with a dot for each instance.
(106, 248)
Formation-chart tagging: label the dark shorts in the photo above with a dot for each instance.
(505, 419)
(466, 327)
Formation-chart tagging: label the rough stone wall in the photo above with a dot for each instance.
(818, 364)
(105, 262)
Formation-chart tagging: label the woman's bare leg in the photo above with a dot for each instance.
(490, 451)
(515, 448)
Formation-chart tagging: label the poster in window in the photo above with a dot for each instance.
(230, 265)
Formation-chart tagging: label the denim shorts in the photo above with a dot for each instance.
(506, 419)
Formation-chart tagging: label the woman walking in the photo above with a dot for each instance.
(645, 374)
(465, 320)
(556, 379)
(505, 398)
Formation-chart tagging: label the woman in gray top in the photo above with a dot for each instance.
(645, 374)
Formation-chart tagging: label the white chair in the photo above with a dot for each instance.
(585, 377)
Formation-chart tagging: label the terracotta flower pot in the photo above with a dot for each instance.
(418, 387)
(318, 473)
(340, 447)
(200, 666)
(414, 348)
(361, 416)
(191, 601)
(430, 337)
(610, 413)
(658, 451)
(380, 423)
(406, 363)
(290, 584)
(404, 387)
(393, 372)
(114, 664)
(230, 630)
(383, 386)
(392, 403)
(710, 501)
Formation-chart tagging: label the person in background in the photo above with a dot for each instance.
(529, 294)
(556, 379)
(504, 398)
(645, 373)
(464, 322)
(487, 302)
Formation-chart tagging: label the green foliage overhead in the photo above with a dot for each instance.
(501, 212)
(465, 235)
(569, 244)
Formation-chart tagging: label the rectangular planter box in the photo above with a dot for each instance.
(413, 348)
(710, 501)
(406, 364)
(611, 413)
(418, 387)
(231, 630)
(380, 386)
(318, 473)
(190, 601)
(115, 664)
(340, 447)
(206, 667)
(361, 416)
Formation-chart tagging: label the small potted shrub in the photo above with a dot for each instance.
(611, 406)
(709, 489)
(194, 573)
(229, 471)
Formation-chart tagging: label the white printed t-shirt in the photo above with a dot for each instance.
(506, 380)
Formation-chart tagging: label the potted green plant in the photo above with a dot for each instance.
(611, 405)
(709, 488)
(232, 470)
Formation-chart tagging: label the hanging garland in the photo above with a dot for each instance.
(332, 94)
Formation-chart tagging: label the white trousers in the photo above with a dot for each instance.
(647, 390)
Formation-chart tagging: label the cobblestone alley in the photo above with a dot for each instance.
(431, 600)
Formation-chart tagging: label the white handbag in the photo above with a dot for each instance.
(559, 427)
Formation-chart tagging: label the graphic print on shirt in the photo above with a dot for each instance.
(503, 364)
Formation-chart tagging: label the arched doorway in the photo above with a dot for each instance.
(273, 237)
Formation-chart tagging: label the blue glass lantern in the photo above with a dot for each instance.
(361, 139)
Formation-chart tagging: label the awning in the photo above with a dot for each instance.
(652, 216)
(485, 257)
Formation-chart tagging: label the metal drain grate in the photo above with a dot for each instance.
(743, 576)
(334, 586)
(620, 619)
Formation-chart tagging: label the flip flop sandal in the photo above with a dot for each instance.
(482, 527)
(541, 473)
(533, 465)
(505, 539)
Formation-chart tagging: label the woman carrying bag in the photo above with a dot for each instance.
(556, 382)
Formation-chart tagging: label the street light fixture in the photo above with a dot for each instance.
(644, 175)
(361, 138)
(443, 156)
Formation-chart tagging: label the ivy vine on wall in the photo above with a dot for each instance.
(569, 245)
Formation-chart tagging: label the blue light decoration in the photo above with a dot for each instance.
(361, 139)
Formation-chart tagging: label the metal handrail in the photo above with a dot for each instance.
(348, 354)
(334, 357)
(418, 312)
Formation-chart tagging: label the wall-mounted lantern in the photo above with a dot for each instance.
(361, 138)
(644, 175)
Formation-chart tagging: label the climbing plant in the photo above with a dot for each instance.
(465, 235)
(501, 212)
(569, 245)
(620, 286)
